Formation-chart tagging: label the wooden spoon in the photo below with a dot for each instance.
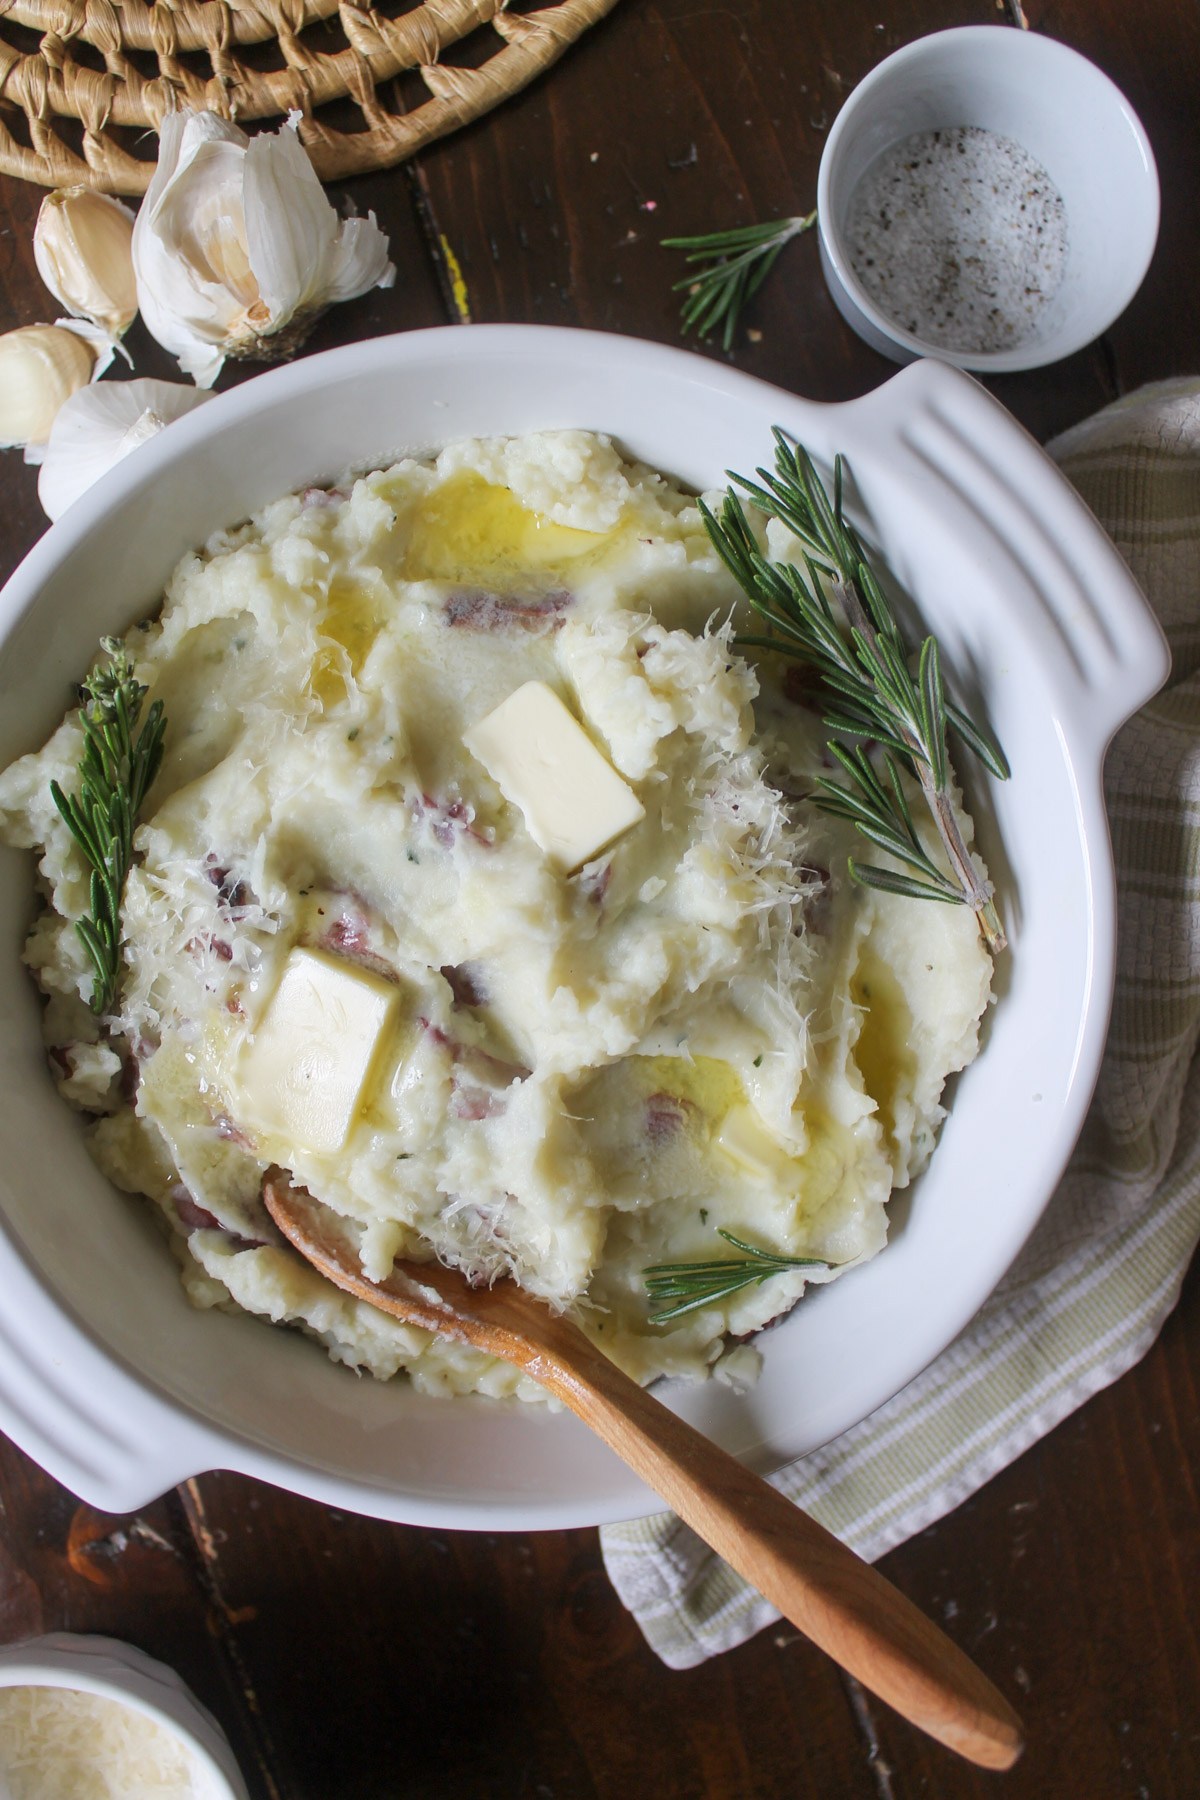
(832, 1596)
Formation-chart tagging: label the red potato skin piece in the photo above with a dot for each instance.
(470, 1099)
(466, 983)
(198, 1218)
(666, 1114)
(476, 610)
(475, 1103)
(131, 1074)
(350, 935)
(62, 1066)
(189, 1211)
(594, 885)
(449, 817)
(231, 890)
(232, 1133)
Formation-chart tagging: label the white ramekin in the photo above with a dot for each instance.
(118, 1671)
(1066, 114)
(110, 1379)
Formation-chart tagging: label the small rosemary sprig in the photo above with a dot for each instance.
(869, 688)
(115, 773)
(683, 1287)
(731, 267)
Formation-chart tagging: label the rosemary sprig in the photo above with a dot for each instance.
(114, 776)
(684, 1287)
(866, 681)
(731, 267)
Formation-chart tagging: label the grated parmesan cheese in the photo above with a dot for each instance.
(61, 1744)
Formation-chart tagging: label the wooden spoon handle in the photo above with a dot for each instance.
(840, 1602)
(835, 1598)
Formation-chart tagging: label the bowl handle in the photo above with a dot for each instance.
(934, 435)
(97, 1429)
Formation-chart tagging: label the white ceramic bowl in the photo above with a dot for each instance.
(113, 1383)
(118, 1671)
(1066, 114)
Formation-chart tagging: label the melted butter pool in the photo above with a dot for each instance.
(354, 616)
(470, 529)
(706, 1082)
(883, 1052)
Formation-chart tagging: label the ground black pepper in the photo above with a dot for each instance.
(959, 236)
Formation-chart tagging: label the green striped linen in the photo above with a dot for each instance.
(1090, 1292)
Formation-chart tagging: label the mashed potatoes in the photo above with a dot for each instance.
(350, 953)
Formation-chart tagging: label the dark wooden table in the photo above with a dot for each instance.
(350, 1660)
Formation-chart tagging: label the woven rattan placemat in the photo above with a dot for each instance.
(113, 64)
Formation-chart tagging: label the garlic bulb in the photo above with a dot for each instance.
(236, 247)
(100, 425)
(41, 366)
(82, 248)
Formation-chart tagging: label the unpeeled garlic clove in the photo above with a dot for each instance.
(236, 248)
(41, 366)
(82, 245)
(99, 426)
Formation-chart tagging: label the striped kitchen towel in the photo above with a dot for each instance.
(1090, 1292)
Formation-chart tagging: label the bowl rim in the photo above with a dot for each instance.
(191, 1440)
(836, 261)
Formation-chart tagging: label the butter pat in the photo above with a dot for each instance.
(542, 760)
(303, 1073)
(746, 1142)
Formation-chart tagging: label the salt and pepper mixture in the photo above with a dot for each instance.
(960, 237)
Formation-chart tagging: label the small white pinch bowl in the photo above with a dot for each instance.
(1059, 108)
(114, 1670)
(108, 1377)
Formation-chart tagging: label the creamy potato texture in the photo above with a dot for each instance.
(562, 1074)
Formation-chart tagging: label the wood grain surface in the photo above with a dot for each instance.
(351, 1660)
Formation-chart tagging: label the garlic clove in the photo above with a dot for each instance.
(184, 306)
(237, 247)
(41, 366)
(290, 225)
(359, 261)
(82, 248)
(103, 347)
(202, 223)
(99, 426)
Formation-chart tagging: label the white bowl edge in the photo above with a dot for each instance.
(429, 1462)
